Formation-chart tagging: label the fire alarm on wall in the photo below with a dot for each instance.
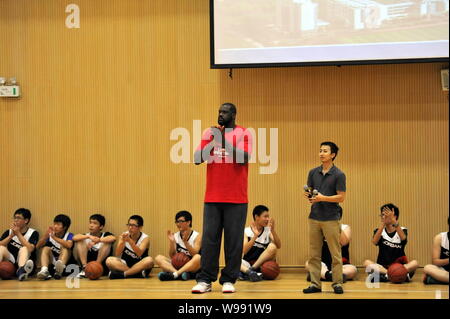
(9, 88)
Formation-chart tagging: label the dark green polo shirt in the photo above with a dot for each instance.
(328, 185)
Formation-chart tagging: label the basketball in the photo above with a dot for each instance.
(7, 270)
(179, 260)
(93, 270)
(270, 270)
(397, 273)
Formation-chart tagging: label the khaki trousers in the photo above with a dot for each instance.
(331, 230)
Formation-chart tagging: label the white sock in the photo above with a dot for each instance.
(43, 268)
(175, 275)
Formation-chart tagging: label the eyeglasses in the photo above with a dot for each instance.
(131, 225)
(180, 221)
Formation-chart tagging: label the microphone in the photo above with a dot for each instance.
(311, 192)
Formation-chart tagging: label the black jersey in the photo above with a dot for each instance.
(444, 249)
(130, 256)
(14, 245)
(326, 256)
(390, 247)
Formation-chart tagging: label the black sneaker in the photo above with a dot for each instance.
(383, 278)
(21, 274)
(254, 276)
(242, 276)
(338, 290)
(114, 274)
(328, 276)
(166, 276)
(311, 290)
(428, 280)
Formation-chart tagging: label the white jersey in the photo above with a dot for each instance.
(181, 247)
(260, 244)
(263, 240)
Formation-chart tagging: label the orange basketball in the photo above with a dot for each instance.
(397, 273)
(270, 270)
(179, 260)
(94, 270)
(7, 270)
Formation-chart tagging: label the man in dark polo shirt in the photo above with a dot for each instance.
(329, 183)
(226, 148)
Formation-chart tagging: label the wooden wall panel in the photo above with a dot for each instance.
(91, 132)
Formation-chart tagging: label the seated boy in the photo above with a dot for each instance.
(261, 243)
(391, 240)
(95, 245)
(437, 272)
(186, 241)
(18, 244)
(56, 246)
(131, 258)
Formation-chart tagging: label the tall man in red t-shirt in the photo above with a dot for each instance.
(226, 148)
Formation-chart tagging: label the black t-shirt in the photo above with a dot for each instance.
(329, 184)
(390, 247)
(14, 245)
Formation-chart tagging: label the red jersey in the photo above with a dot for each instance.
(227, 179)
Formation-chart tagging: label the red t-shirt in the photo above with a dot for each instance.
(226, 179)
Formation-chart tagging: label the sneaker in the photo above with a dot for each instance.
(165, 276)
(21, 274)
(338, 290)
(428, 280)
(242, 276)
(29, 266)
(115, 274)
(201, 287)
(228, 288)
(253, 276)
(59, 269)
(185, 276)
(44, 275)
(81, 274)
(311, 289)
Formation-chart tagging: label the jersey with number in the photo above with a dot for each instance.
(55, 246)
(14, 245)
(130, 256)
(444, 249)
(326, 256)
(181, 247)
(261, 243)
(390, 247)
